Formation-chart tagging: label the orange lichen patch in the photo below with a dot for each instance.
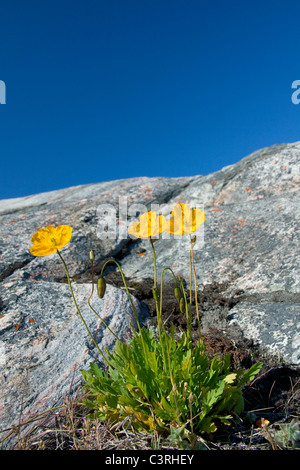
(141, 254)
(275, 162)
(248, 189)
(217, 247)
(197, 257)
(17, 327)
(283, 168)
(279, 208)
(1, 316)
(213, 182)
(31, 320)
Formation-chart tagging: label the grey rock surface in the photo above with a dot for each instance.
(249, 244)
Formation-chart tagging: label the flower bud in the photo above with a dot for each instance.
(101, 286)
(92, 256)
(177, 293)
(182, 305)
(155, 294)
(193, 240)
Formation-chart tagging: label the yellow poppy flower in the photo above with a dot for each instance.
(50, 239)
(150, 225)
(185, 219)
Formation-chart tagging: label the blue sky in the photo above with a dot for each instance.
(110, 89)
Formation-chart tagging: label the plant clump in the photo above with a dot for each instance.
(162, 385)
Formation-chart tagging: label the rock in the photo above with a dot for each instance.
(247, 249)
(45, 344)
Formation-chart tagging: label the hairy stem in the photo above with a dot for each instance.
(196, 295)
(95, 310)
(78, 311)
(129, 296)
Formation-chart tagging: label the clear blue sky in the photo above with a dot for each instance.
(98, 90)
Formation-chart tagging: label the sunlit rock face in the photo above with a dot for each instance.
(249, 244)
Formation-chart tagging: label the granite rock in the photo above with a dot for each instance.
(249, 244)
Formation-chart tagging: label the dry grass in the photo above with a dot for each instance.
(70, 429)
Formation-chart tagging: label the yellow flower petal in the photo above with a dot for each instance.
(134, 229)
(198, 218)
(41, 250)
(185, 220)
(49, 239)
(150, 225)
(63, 235)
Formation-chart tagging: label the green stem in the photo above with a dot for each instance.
(158, 310)
(161, 286)
(190, 310)
(196, 295)
(166, 339)
(78, 311)
(155, 274)
(159, 320)
(129, 296)
(154, 258)
(186, 307)
(95, 310)
(191, 417)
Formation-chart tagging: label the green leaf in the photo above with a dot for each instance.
(214, 394)
(230, 378)
(88, 403)
(250, 373)
(152, 361)
(87, 376)
(96, 371)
